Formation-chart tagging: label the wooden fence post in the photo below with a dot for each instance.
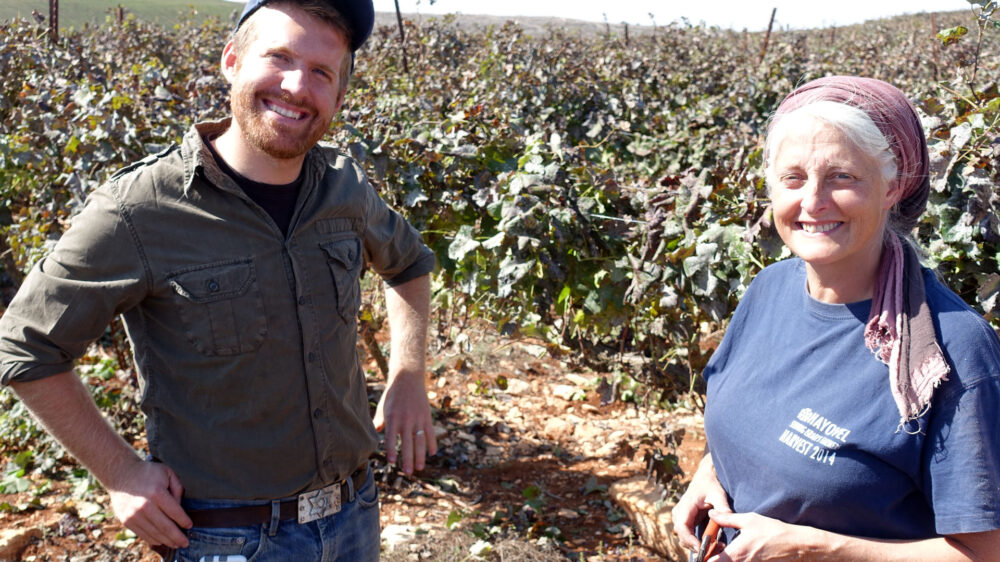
(934, 31)
(54, 21)
(767, 36)
(402, 39)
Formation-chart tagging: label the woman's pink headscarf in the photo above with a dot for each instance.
(899, 330)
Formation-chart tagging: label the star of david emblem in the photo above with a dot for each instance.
(319, 503)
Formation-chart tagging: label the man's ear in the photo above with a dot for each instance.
(229, 62)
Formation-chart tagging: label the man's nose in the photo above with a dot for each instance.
(293, 81)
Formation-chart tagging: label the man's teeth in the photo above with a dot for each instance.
(285, 112)
(814, 228)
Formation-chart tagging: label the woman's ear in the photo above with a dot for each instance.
(894, 195)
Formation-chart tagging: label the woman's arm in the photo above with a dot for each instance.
(764, 538)
(704, 493)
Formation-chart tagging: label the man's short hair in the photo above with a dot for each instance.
(245, 33)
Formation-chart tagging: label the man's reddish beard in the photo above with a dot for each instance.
(276, 142)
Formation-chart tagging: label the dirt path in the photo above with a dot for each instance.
(527, 452)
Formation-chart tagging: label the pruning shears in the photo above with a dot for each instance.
(710, 542)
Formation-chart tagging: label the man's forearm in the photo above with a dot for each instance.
(145, 496)
(404, 411)
(62, 404)
(408, 307)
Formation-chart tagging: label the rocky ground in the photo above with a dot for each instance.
(528, 452)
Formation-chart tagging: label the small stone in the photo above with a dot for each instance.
(518, 387)
(578, 380)
(557, 429)
(586, 432)
(567, 392)
(590, 408)
(535, 350)
(568, 514)
(394, 535)
(608, 449)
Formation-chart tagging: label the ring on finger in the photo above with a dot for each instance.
(419, 432)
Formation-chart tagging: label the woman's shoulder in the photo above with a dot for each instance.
(969, 341)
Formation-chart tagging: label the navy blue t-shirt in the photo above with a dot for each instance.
(803, 428)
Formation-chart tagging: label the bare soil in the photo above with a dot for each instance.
(527, 452)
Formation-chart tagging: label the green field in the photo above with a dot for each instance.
(73, 13)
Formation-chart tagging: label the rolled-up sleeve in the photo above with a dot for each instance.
(95, 272)
(393, 248)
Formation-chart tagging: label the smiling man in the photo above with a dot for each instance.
(234, 259)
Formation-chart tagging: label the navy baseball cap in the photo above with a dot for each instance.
(359, 14)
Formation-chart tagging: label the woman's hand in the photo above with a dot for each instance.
(762, 538)
(704, 493)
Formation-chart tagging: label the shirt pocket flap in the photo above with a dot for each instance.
(346, 252)
(210, 283)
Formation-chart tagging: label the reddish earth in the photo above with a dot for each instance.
(527, 454)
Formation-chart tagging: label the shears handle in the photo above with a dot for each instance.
(710, 542)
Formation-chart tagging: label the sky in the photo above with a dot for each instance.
(733, 14)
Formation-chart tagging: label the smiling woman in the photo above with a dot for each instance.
(853, 407)
(831, 197)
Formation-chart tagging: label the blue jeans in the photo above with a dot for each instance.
(350, 535)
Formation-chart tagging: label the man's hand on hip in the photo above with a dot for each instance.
(146, 498)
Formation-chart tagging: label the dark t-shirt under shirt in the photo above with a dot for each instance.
(277, 200)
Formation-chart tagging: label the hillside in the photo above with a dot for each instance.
(73, 13)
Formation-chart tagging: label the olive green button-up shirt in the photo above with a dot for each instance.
(244, 338)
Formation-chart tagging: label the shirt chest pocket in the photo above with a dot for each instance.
(344, 260)
(221, 307)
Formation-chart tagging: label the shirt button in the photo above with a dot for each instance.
(312, 357)
(318, 413)
(213, 286)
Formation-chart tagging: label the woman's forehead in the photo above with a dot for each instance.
(816, 140)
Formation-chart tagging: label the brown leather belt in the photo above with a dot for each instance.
(243, 516)
(305, 507)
